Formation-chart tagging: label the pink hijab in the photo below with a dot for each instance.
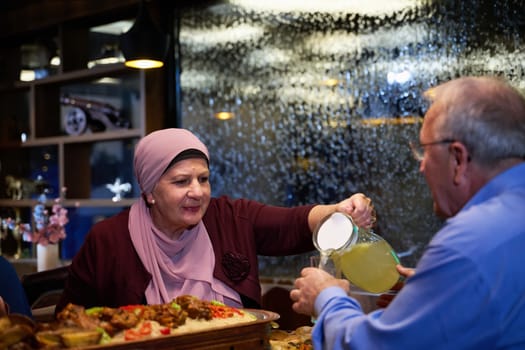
(181, 266)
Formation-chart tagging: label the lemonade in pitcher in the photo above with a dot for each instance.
(369, 265)
(365, 259)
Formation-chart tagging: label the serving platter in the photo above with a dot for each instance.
(245, 336)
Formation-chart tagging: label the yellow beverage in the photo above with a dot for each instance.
(369, 265)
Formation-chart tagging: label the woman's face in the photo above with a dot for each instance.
(181, 196)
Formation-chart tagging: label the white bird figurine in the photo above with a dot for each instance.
(118, 188)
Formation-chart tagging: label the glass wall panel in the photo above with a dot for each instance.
(324, 97)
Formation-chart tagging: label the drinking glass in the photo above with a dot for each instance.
(325, 263)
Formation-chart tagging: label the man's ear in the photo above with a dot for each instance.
(461, 159)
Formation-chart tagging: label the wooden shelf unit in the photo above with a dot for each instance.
(32, 121)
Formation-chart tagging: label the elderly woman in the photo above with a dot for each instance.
(178, 240)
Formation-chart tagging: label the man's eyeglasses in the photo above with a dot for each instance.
(418, 149)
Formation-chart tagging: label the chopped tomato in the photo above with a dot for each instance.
(165, 331)
(136, 309)
(131, 334)
(223, 311)
(136, 334)
(145, 329)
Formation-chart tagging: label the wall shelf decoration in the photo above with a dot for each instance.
(35, 143)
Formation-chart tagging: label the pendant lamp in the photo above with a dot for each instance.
(144, 46)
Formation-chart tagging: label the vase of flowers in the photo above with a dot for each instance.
(49, 231)
(47, 257)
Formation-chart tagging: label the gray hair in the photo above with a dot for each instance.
(484, 113)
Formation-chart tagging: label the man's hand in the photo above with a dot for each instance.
(308, 287)
(385, 299)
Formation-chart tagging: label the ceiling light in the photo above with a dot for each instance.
(144, 45)
(398, 77)
(55, 61)
(27, 75)
(372, 8)
(110, 54)
(330, 82)
(224, 115)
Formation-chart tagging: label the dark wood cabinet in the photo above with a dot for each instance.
(38, 142)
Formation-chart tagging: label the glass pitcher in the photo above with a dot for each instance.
(366, 259)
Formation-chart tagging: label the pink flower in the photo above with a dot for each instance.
(49, 228)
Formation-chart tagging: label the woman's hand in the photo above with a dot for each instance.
(385, 299)
(360, 208)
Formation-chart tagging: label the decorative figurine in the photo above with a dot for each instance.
(118, 188)
(19, 188)
(14, 187)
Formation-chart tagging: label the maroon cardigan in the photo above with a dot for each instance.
(107, 271)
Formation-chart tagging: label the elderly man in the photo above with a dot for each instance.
(468, 290)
